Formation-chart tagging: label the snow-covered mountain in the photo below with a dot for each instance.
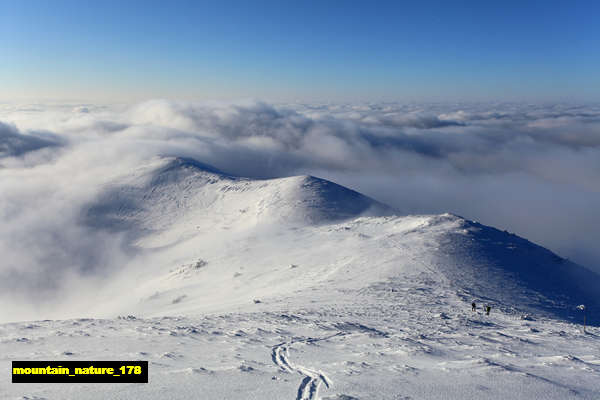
(261, 227)
(167, 193)
(300, 288)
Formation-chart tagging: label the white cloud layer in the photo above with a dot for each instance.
(531, 169)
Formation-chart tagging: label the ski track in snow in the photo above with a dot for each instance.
(309, 387)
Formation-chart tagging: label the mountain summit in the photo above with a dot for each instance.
(170, 191)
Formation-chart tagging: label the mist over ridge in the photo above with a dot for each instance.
(530, 169)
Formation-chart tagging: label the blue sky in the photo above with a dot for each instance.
(300, 50)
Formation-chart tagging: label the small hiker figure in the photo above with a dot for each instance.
(474, 306)
(487, 310)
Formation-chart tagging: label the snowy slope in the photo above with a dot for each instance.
(215, 224)
(510, 271)
(298, 288)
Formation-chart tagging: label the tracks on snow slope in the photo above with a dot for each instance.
(309, 388)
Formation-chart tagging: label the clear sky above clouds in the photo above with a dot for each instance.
(307, 50)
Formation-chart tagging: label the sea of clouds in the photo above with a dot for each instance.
(532, 169)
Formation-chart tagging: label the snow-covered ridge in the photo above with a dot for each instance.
(227, 240)
(512, 272)
(174, 192)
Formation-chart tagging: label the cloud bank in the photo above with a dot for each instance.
(529, 168)
(13, 143)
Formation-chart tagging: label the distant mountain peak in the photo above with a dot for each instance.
(167, 190)
(175, 163)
